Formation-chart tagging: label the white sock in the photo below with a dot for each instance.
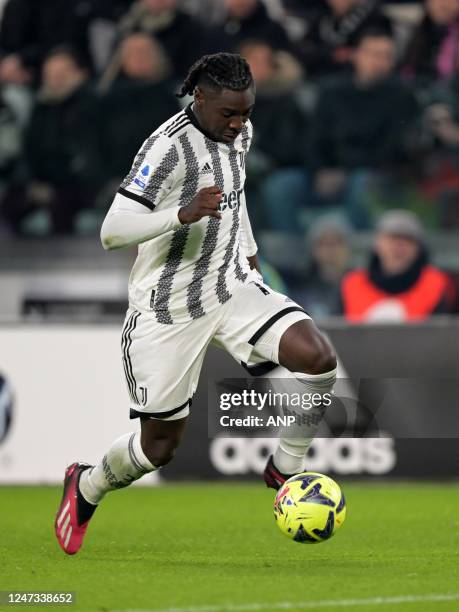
(290, 454)
(124, 462)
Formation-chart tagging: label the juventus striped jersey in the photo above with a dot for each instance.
(188, 270)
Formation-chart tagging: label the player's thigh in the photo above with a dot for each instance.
(256, 320)
(162, 364)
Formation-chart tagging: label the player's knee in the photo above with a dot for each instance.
(317, 357)
(304, 348)
(325, 361)
(160, 452)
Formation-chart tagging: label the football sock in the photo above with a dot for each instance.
(290, 454)
(84, 508)
(122, 464)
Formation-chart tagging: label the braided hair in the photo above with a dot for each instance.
(220, 71)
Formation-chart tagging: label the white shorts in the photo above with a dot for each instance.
(162, 362)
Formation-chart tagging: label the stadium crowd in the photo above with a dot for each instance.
(357, 114)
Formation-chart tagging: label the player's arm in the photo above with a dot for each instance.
(130, 222)
(134, 217)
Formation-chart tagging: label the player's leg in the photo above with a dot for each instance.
(304, 348)
(307, 358)
(160, 439)
(160, 390)
(131, 457)
(272, 336)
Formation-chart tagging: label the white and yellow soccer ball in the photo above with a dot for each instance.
(309, 507)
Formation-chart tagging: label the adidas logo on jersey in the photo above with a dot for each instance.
(207, 168)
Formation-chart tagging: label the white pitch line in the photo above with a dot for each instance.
(310, 605)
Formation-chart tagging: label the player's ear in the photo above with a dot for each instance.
(198, 96)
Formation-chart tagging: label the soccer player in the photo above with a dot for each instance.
(196, 280)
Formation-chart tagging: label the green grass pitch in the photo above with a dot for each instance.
(215, 547)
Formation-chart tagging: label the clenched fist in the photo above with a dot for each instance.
(204, 204)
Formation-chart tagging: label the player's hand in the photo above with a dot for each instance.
(204, 204)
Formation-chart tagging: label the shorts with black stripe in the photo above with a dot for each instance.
(162, 363)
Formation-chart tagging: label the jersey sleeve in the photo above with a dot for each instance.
(153, 172)
(129, 222)
(247, 241)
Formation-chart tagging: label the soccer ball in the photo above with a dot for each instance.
(309, 507)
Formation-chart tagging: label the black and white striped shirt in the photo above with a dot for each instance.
(189, 270)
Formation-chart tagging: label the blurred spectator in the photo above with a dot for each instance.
(102, 31)
(363, 128)
(277, 78)
(29, 29)
(249, 20)
(136, 103)
(15, 107)
(112, 10)
(13, 71)
(209, 12)
(142, 59)
(434, 48)
(399, 284)
(318, 290)
(183, 38)
(328, 42)
(442, 115)
(280, 127)
(440, 170)
(304, 9)
(58, 156)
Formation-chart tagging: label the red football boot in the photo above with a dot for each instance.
(74, 512)
(273, 478)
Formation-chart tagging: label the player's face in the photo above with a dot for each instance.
(223, 114)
